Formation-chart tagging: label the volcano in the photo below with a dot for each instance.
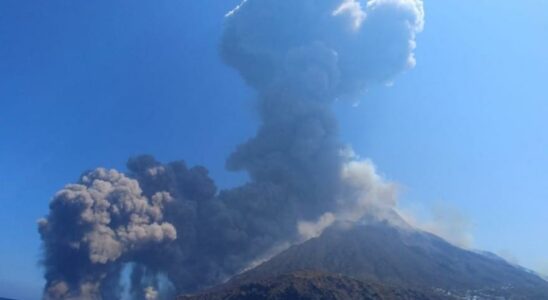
(397, 257)
(314, 285)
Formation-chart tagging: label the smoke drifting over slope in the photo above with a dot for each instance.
(169, 219)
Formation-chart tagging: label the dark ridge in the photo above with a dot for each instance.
(403, 257)
(313, 285)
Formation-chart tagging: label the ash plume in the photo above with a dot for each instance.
(171, 220)
(95, 226)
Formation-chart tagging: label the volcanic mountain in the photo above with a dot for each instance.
(313, 285)
(362, 257)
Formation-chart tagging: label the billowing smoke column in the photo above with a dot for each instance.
(170, 220)
(93, 225)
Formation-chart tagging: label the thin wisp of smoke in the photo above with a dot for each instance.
(171, 220)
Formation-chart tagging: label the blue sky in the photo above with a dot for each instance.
(91, 83)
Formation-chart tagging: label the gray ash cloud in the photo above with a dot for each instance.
(94, 227)
(170, 220)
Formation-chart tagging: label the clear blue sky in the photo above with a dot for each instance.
(89, 83)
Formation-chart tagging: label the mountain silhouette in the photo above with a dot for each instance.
(385, 258)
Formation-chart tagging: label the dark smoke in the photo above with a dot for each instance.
(96, 225)
(170, 220)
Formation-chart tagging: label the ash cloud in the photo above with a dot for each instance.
(93, 227)
(170, 220)
(363, 42)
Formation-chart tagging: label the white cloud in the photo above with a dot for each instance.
(310, 230)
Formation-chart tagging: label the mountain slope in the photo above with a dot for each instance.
(312, 285)
(402, 256)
